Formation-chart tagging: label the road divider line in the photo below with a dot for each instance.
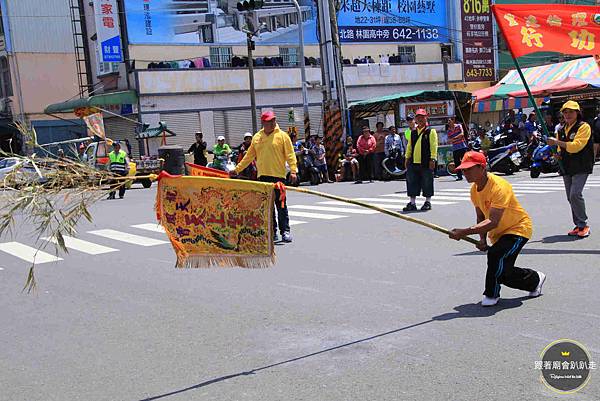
(82, 246)
(28, 253)
(333, 209)
(128, 238)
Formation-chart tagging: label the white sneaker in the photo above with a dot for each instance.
(538, 289)
(487, 301)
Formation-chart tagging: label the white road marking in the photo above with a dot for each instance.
(297, 287)
(128, 238)
(27, 253)
(83, 246)
(296, 222)
(436, 196)
(1, 268)
(403, 201)
(322, 216)
(390, 206)
(155, 227)
(334, 209)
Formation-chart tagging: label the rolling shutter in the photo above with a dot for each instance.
(184, 125)
(120, 129)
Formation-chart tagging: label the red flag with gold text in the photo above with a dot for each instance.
(563, 28)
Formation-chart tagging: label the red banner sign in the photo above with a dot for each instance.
(530, 28)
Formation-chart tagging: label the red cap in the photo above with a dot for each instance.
(267, 116)
(471, 159)
(421, 112)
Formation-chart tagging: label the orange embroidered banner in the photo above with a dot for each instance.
(201, 171)
(564, 28)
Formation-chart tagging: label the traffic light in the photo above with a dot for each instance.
(250, 5)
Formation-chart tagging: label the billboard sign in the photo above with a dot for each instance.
(478, 41)
(106, 14)
(213, 23)
(373, 21)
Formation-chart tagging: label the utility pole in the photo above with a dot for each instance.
(303, 70)
(250, 44)
(445, 59)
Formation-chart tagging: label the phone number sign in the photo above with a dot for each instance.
(392, 21)
(478, 41)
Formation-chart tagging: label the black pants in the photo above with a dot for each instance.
(419, 179)
(282, 212)
(458, 155)
(121, 187)
(501, 269)
(377, 167)
(365, 165)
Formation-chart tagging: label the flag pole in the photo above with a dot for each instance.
(538, 112)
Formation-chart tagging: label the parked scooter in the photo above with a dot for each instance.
(543, 161)
(307, 172)
(391, 163)
(505, 160)
(223, 163)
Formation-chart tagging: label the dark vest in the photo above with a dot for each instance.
(581, 162)
(425, 145)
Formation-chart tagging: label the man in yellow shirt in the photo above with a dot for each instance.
(576, 150)
(272, 148)
(420, 159)
(501, 217)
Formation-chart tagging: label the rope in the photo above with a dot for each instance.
(381, 210)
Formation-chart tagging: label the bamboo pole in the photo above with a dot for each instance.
(379, 209)
(538, 113)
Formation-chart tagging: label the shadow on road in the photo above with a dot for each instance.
(553, 239)
(476, 310)
(461, 311)
(530, 251)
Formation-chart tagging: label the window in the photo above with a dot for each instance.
(220, 57)
(289, 56)
(5, 82)
(406, 54)
(446, 52)
(105, 68)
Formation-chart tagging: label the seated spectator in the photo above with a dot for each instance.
(350, 161)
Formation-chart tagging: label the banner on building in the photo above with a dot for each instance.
(564, 28)
(214, 23)
(478, 41)
(108, 30)
(393, 21)
(217, 222)
(95, 125)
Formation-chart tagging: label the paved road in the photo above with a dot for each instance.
(360, 306)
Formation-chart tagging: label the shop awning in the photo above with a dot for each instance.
(102, 100)
(384, 104)
(545, 79)
(159, 131)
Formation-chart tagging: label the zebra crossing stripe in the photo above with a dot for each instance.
(333, 209)
(128, 238)
(154, 227)
(28, 253)
(83, 246)
(437, 196)
(321, 216)
(390, 205)
(296, 222)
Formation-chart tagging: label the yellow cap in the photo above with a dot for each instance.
(571, 105)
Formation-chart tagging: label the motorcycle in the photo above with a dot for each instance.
(543, 161)
(505, 160)
(390, 165)
(223, 163)
(307, 172)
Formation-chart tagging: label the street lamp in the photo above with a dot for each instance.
(303, 70)
(250, 44)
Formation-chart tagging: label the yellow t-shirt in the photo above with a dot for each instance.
(271, 153)
(498, 194)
